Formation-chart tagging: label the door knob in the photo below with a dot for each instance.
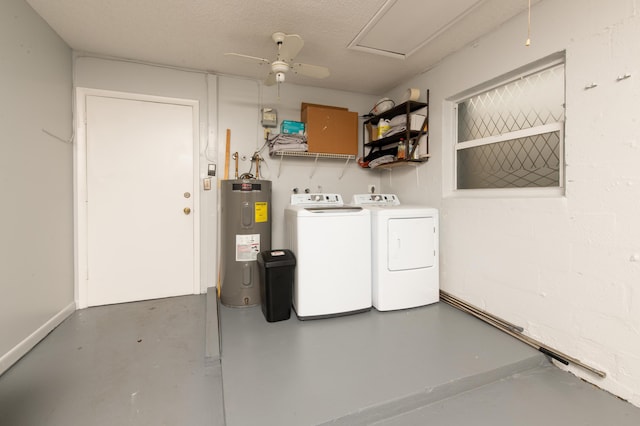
(186, 210)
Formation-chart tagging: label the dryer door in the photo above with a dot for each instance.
(411, 243)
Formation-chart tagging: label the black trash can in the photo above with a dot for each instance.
(276, 269)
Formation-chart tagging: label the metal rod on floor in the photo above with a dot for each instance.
(510, 329)
(445, 295)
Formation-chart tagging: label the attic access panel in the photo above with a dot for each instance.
(400, 28)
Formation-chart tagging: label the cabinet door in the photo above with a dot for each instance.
(410, 243)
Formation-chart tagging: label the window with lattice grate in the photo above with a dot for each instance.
(511, 135)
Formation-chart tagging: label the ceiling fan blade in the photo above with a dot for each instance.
(251, 58)
(314, 71)
(271, 79)
(290, 47)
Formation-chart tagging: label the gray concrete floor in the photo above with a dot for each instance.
(155, 363)
(430, 365)
(138, 363)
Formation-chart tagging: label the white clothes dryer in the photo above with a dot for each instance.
(332, 245)
(404, 252)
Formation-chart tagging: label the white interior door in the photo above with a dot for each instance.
(140, 200)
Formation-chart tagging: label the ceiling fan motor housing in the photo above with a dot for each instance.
(279, 68)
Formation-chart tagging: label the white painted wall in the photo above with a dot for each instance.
(567, 268)
(234, 103)
(239, 102)
(36, 219)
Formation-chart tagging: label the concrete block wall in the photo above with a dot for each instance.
(566, 267)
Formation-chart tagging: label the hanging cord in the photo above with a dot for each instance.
(262, 160)
(264, 175)
(528, 43)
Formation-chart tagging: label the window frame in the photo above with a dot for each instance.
(503, 80)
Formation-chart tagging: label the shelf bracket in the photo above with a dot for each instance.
(280, 164)
(315, 166)
(344, 168)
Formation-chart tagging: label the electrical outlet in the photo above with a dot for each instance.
(371, 189)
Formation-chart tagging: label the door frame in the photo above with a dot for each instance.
(80, 184)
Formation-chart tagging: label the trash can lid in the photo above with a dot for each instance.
(274, 258)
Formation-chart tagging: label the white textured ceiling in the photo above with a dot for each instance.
(196, 33)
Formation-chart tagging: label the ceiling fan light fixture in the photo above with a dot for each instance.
(279, 68)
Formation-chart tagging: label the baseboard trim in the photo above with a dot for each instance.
(21, 349)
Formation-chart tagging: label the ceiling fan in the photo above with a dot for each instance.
(289, 45)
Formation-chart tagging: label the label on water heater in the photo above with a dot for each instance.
(247, 247)
(262, 212)
(246, 186)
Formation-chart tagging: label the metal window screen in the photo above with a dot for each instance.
(518, 163)
(526, 103)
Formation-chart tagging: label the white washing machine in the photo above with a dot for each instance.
(332, 245)
(405, 254)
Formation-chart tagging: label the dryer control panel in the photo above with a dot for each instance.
(375, 200)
